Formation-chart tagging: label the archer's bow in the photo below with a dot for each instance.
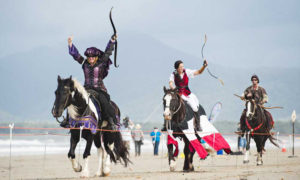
(116, 42)
(205, 39)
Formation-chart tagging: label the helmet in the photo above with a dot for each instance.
(92, 52)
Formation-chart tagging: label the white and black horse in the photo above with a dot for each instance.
(81, 110)
(178, 118)
(256, 125)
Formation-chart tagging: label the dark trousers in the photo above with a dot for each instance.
(107, 109)
(156, 145)
(137, 145)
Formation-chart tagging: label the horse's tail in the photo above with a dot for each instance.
(120, 149)
(273, 139)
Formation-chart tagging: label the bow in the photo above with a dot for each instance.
(205, 39)
(116, 42)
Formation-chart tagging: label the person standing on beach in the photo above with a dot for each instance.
(138, 137)
(126, 128)
(155, 134)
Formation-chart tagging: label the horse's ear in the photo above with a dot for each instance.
(165, 89)
(58, 78)
(71, 77)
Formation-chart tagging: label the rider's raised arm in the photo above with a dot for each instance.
(74, 52)
(197, 72)
(109, 49)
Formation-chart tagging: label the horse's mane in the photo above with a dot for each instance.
(81, 90)
(85, 95)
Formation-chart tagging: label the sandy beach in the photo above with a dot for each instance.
(276, 165)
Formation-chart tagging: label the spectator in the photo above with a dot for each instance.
(155, 134)
(138, 138)
(126, 128)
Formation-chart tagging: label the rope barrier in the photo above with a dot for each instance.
(107, 130)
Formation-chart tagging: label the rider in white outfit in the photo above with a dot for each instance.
(179, 79)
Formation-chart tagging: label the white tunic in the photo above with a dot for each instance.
(191, 99)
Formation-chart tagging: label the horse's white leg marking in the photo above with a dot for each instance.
(172, 165)
(259, 159)
(246, 157)
(106, 164)
(76, 167)
(85, 171)
(99, 170)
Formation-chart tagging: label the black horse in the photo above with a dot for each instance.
(256, 124)
(178, 115)
(71, 95)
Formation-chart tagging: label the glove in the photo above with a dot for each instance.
(205, 63)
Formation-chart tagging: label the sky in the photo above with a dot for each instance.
(240, 33)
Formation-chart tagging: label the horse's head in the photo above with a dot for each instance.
(171, 101)
(250, 109)
(63, 96)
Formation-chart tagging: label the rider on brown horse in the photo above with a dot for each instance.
(95, 68)
(180, 77)
(259, 95)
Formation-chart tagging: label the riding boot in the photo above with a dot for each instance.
(65, 123)
(197, 121)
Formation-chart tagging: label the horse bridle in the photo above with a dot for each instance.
(69, 92)
(177, 108)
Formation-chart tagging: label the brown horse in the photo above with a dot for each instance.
(256, 124)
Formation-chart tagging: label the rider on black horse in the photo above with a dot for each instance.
(95, 68)
(259, 95)
(180, 78)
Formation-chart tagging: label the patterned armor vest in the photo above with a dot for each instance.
(94, 75)
(182, 84)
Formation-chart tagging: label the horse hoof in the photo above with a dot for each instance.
(259, 163)
(246, 161)
(106, 174)
(106, 171)
(98, 174)
(79, 169)
(172, 169)
(186, 170)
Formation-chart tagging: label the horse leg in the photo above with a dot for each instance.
(172, 161)
(97, 142)
(259, 140)
(246, 156)
(106, 163)
(188, 166)
(71, 155)
(191, 161)
(86, 155)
